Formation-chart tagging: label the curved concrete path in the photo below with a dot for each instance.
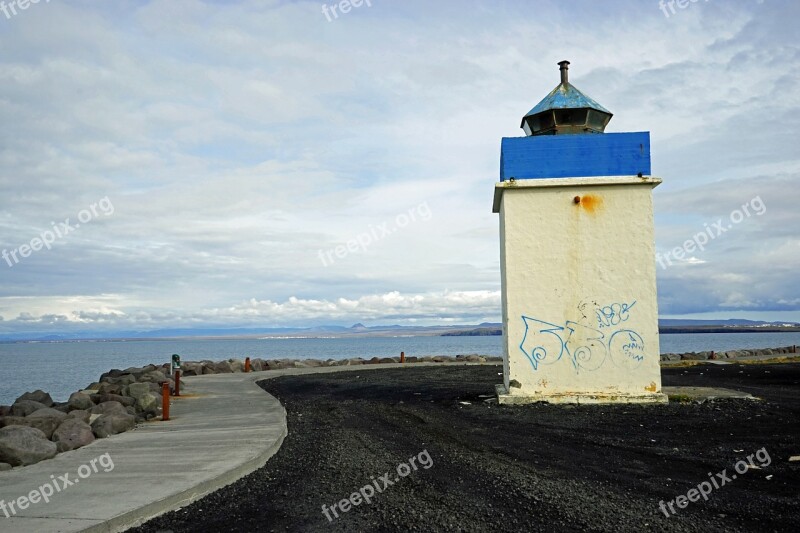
(224, 428)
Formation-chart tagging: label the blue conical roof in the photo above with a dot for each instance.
(566, 96)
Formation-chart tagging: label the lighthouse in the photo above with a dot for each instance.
(577, 257)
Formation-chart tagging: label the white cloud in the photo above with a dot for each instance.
(237, 140)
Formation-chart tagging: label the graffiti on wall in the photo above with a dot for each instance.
(585, 346)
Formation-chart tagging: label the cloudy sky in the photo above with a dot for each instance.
(211, 156)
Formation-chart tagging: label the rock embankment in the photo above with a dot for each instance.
(199, 368)
(36, 428)
(730, 354)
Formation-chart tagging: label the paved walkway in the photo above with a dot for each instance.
(224, 428)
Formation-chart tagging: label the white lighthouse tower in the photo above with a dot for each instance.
(577, 252)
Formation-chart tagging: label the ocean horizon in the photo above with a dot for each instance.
(62, 367)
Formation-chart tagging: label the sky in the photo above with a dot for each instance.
(186, 163)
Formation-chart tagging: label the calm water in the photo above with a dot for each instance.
(62, 368)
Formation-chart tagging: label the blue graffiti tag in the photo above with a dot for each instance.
(535, 346)
(614, 314)
(627, 348)
(587, 347)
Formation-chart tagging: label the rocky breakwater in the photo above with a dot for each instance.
(199, 368)
(730, 354)
(36, 428)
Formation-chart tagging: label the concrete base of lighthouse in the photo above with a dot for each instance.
(580, 318)
(504, 397)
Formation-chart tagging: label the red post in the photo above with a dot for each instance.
(177, 383)
(402, 357)
(713, 355)
(247, 365)
(165, 401)
(794, 348)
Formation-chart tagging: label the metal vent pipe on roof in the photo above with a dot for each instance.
(564, 67)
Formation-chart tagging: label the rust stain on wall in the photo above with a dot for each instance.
(651, 387)
(591, 203)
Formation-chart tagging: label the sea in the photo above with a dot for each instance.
(61, 368)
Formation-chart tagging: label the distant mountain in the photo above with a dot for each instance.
(728, 322)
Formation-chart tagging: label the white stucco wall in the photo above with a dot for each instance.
(578, 282)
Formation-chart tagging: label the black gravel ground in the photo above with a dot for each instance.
(530, 468)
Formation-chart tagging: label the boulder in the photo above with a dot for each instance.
(135, 390)
(475, 359)
(48, 412)
(670, 357)
(110, 388)
(112, 424)
(351, 362)
(26, 407)
(21, 446)
(692, 356)
(108, 408)
(79, 401)
(113, 373)
(5, 410)
(374, 361)
(209, 368)
(37, 396)
(223, 367)
(102, 398)
(72, 434)
(155, 376)
(148, 403)
(236, 365)
(412, 359)
(276, 364)
(146, 399)
(79, 414)
(257, 365)
(5, 467)
(46, 425)
(386, 360)
(189, 368)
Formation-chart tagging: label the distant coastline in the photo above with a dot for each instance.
(486, 329)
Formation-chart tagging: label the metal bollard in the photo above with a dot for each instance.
(165, 401)
(247, 365)
(177, 383)
(794, 348)
(402, 357)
